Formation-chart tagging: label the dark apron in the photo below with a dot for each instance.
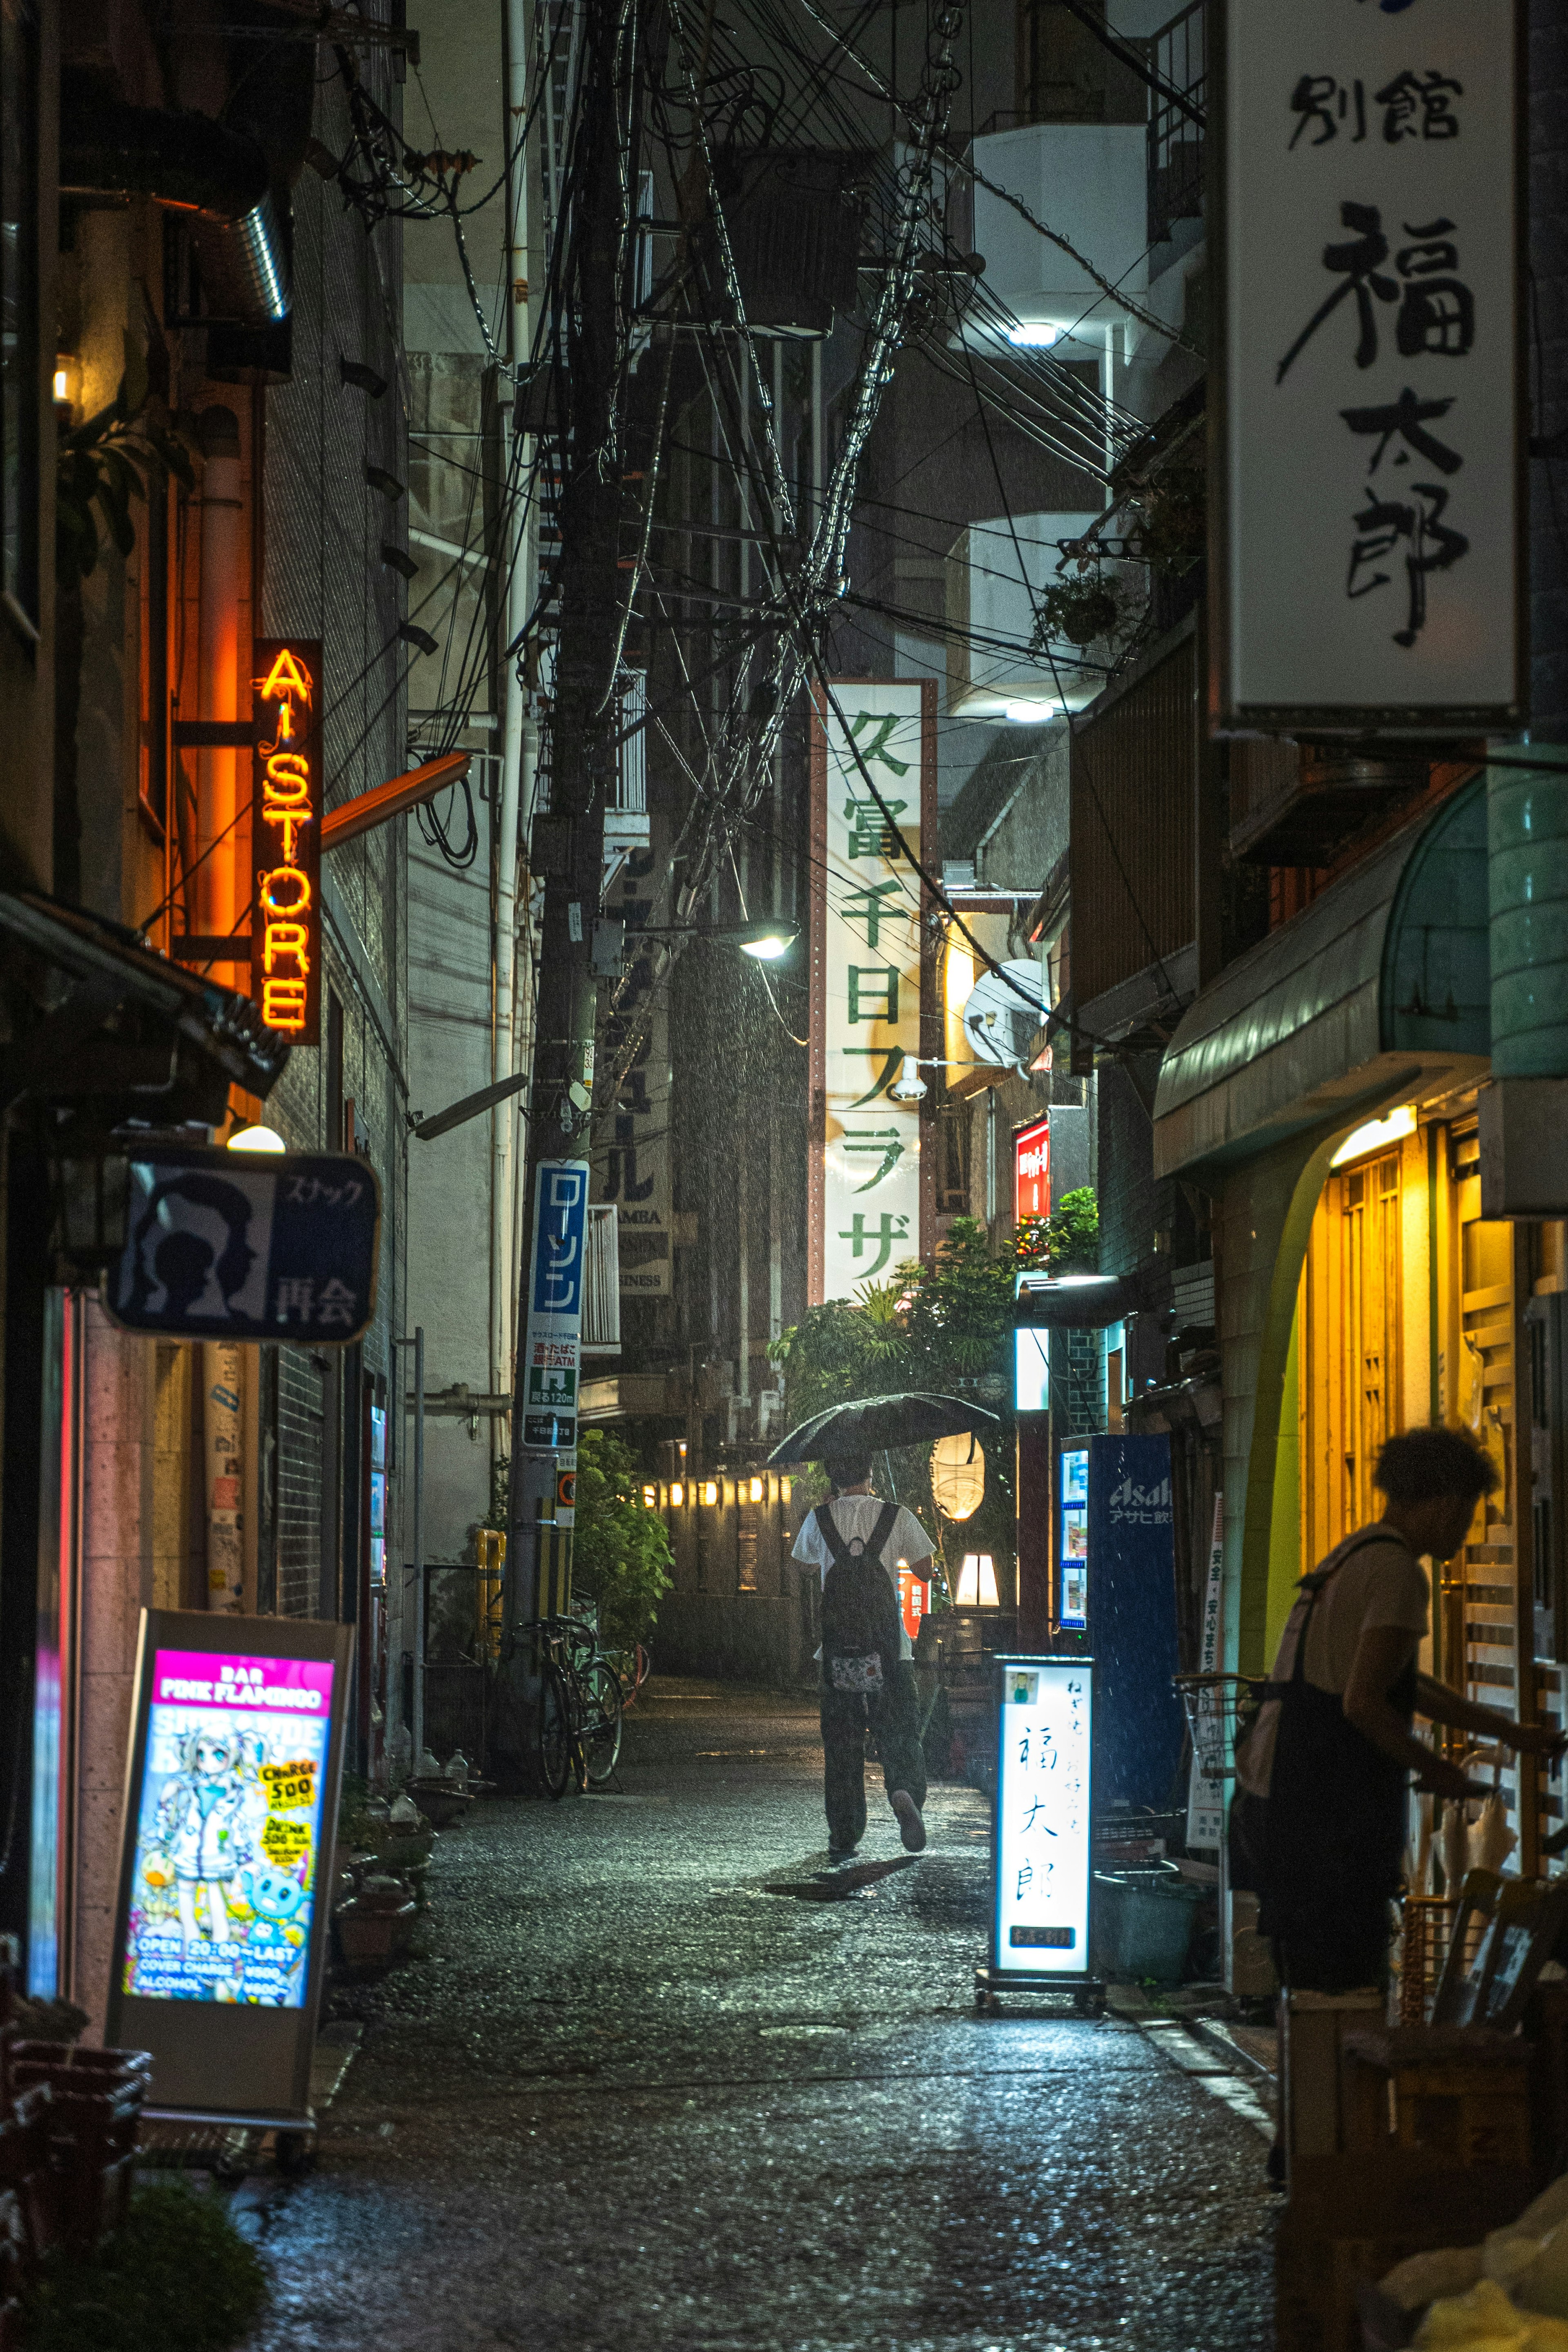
(1330, 1835)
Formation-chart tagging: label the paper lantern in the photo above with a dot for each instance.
(958, 1476)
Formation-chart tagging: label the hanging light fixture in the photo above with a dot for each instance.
(978, 1582)
(958, 1476)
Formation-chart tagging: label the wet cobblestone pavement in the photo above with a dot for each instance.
(626, 2096)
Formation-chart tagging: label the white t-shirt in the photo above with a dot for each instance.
(1381, 1583)
(857, 1515)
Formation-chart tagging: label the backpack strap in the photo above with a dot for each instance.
(881, 1531)
(838, 1550)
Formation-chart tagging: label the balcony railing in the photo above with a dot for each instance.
(1179, 56)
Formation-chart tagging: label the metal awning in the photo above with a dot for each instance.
(1384, 982)
(118, 1032)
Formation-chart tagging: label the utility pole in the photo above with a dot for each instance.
(594, 280)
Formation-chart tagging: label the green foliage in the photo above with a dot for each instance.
(178, 2278)
(942, 1327)
(620, 1555)
(1171, 517)
(1068, 1241)
(1081, 611)
(103, 465)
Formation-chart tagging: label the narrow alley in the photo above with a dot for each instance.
(635, 2094)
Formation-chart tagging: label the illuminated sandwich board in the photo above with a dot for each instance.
(1040, 1925)
(226, 1858)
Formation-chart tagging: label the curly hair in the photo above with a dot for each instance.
(1422, 1464)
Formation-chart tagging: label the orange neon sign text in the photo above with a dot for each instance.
(286, 834)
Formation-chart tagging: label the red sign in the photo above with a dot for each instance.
(914, 1600)
(285, 836)
(1031, 1169)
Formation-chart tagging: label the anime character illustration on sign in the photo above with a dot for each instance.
(228, 1830)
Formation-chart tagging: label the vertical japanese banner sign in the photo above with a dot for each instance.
(632, 1137)
(1206, 1791)
(222, 1370)
(1370, 519)
(869, 1192)
(1031, 1169)
(553, 1342)
(285, 836)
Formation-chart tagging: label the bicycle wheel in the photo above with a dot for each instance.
(600, 1732)
(554, 1736)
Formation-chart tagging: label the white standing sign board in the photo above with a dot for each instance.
(1040, 1913)
(1368, 554)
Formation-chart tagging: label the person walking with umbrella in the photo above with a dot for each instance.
(858, 1542)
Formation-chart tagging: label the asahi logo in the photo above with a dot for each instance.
(1131, 1506)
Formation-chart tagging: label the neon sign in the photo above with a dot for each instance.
(285, 836)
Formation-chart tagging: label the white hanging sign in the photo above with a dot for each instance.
(866, 969)
(1366, 566)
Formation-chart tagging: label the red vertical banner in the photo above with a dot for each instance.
(870, 1187)
(1031, 1169)
(285, 836)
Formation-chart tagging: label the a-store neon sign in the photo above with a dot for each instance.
(285, 836)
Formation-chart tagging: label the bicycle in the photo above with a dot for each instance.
(579, 1734)
(632, 1667)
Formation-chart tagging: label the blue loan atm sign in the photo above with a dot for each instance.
(230, 1246)
(552, 1348)
(1040, 1925)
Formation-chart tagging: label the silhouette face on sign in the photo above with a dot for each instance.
(195, 1251)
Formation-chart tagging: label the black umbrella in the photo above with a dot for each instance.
(868, 1425)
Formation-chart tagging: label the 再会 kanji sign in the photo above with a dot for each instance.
(233, 1245)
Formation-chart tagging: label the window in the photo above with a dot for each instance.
(19, 310)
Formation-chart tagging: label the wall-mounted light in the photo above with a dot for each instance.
(710, 1491)
(756, 1490)
(677, 1494)
(67, 378)
(650, 1499)
(257, 1138)
(1033, 335)
(1376, 1136)
(786, 1488)
(978, 1582)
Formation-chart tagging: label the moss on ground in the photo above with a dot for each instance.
(178, 2278)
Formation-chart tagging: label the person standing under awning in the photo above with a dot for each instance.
(1319, 1826)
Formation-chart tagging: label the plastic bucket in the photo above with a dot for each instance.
(1142, 1923)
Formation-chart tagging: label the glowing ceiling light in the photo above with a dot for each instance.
(1029, 714)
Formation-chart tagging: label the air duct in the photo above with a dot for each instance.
(219, 178)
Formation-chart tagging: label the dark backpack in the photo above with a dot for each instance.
(860, 1607)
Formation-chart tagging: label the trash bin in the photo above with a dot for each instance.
(1142, 1923)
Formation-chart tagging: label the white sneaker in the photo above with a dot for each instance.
(911, 1828)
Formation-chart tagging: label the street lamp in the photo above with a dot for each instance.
(767, 942)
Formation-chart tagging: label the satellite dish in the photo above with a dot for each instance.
(998, 1022)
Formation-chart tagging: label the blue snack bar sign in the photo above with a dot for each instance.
(220, 1246)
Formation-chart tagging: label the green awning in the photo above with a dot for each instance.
(1382, 982)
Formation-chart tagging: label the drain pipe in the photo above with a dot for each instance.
(1524, 1111)
(219, 846)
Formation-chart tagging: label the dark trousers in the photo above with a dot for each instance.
(894, 1715)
